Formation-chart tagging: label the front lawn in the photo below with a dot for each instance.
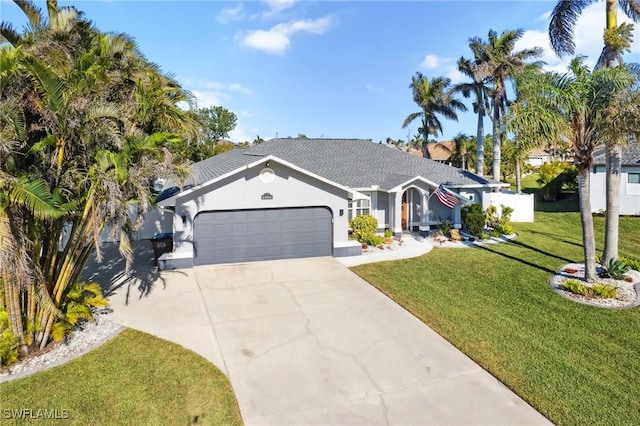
(576, 364)
(133, 379)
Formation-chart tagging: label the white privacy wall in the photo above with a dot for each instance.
(522, 204)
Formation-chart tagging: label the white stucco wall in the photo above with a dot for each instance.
(289, 188)
(155, 221)
(522, 204)
(629, 192)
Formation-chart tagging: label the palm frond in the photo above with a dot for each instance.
(9, 34)
(32, 12)
(33, 194)
(47, 83)
(631, 8)
(561, 26)
(410, 118)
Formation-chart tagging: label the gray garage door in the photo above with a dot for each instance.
(265, 234)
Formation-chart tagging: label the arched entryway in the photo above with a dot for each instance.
(412, 209)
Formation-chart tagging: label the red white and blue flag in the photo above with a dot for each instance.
(446, 197)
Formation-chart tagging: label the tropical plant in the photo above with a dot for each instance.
(86, 123)
(445, 226)
(503, 63)
(477, 70)
(604, 291)
(578, 101)
(575, 286)
(529, 119)
(553, 176)
(434, 98)
(614, 268)
(617, 39)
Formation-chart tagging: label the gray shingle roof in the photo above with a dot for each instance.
(630, 154)
(355, 163)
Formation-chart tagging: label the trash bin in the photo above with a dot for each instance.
(162, 243)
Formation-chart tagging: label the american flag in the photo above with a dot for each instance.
(446, 197)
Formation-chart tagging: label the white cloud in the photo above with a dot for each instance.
(239, 135)
(231, 14)
(373, 87)
(278, 39)
(235, 87)
(275, 7)
(452, 72)
(430, 62)
(207, 98)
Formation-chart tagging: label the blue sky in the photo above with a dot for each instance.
(336, 69)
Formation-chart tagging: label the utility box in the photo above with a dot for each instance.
(162, 243)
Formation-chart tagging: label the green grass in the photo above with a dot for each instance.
(567, 203)
(576, 364)
(133, 379)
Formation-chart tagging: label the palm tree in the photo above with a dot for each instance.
(530, 119)
(616, 40)
(477, 70)
(83, 129)
(577, 102)
(434, 99)
(503, 62)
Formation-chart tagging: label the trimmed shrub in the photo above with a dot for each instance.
(364, 227)
(374, 240)
(555, 175)
(474, 219)
(387, 233)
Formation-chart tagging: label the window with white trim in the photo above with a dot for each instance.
(359, 208)
(633, 177)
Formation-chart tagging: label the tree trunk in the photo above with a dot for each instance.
(612, 216)
(518, 176)
(496, 144)
(588, 237)
(614, 160)
(480, 137)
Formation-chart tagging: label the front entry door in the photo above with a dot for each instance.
(405, 212)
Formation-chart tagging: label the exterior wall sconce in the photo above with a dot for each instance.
(268, 164)
(341, 212)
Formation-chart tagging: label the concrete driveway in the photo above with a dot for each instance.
(308, 342)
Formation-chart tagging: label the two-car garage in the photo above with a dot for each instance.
(232, 236)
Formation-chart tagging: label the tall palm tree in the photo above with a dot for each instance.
(561, 27)
(478, 71)
(433, 98)
(503, 62)
(530, 119)
(83, 128)
(580, 102)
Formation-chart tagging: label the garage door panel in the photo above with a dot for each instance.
(263, 234)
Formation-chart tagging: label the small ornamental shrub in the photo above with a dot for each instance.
(364, 227)
(445, 226)
(633, 263)
(615, 269)
(374, 240)
(501, 224)
(605, 291)
(474, 219)
(387, 233)
(575, 286)
(8, 341)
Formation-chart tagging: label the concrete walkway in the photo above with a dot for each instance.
(309, 342)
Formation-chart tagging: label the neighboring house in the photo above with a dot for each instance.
(629, 180)
(288, 198)
(440, 152)
(538, 157)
